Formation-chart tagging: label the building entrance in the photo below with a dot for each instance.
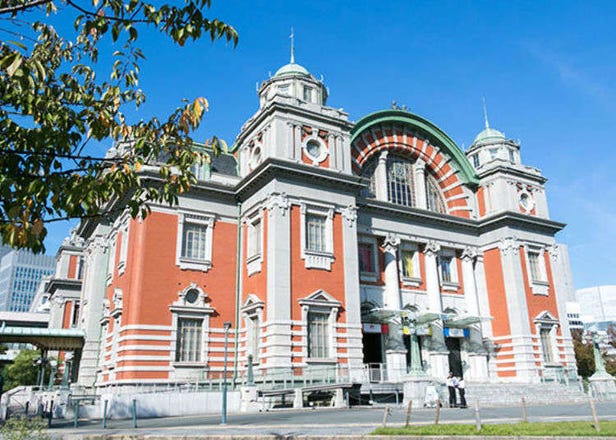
(455, 360)
(373, 348)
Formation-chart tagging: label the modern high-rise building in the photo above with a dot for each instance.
(597, 303)
(20, 275)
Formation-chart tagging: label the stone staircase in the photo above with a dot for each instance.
(489, 395)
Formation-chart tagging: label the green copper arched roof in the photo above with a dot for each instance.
(428, 129)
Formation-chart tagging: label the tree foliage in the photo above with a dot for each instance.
(54, 104)
(584, 356)
(24, 370)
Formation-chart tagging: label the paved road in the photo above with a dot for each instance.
(353, 421)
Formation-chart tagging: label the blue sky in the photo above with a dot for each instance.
(547, 70)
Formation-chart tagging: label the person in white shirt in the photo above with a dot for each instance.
(461, 391)
(452, 382)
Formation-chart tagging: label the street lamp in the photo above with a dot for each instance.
(223, 420)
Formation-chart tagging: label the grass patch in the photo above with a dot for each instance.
(558, 429)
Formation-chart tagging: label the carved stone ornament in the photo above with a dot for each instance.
(278, 201)
(98, 243)
(58, 300)
(432, 248)
(469, 253)
(509, 246)
(554, 251)
(391, 243)
(350, 215)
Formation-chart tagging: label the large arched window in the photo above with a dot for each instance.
(433, 194)
(400, 181)
(369, 171)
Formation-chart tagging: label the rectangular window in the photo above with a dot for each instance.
(189, 340)
(476, 160)
(254, 338)
(80, 268)
(75, 319)
(318, 335)
(307, 94)
(444, 264)
(254, 238)
(193, 241)
(511, 156)
(315, 233)
(535, 266)
(407, 258)
(546, 345)
(366, 258)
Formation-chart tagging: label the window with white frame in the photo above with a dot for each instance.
(123, 249)
(536, 270)
(409, 264)
(319, 312)
(254, 334)
(188, 345)
(75, 317)
(447, 268)
(318, 334)
(194, 242)
(252, 309)
(201, 170)
(111, 258)
(317, 236)
(545, 336)
(368, 259)
(191, 316)
(255, 235)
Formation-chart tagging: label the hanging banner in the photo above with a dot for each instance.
(456, 332)
(372, 328)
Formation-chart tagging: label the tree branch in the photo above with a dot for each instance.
(18, 8)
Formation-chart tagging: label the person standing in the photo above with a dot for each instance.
(462, 391)
(451, 387)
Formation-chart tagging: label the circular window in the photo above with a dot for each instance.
(192, 296)
(526, 201)
(313, 148)
(255, 157)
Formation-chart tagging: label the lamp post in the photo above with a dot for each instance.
(223, 421)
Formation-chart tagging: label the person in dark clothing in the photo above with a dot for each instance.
(451, 387)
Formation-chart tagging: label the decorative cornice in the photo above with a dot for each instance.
(350, 215)
(432, 248)
(391, 243)
(277, 202)
(469, 253)
(509, 246)
(554, 251)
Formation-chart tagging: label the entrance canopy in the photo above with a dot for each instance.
(44, 338)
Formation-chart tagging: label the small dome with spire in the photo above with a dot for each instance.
(291, 69)
(489, 135)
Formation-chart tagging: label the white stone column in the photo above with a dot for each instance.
(278, 302)
(391, 298)
(419, 170)
(517, 308)
(439, 361)
(380, 175)
(93, 294)
(355, 356)
(477, 355)
(395, 350)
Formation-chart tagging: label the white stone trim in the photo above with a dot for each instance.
(323, 149)
(538, 287)
(313, 259)
(320, 302)
(254, 262)
(206, 220)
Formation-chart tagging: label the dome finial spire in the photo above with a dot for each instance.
(485, 113)
(292, 37)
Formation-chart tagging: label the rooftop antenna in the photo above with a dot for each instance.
(292, 37)
(485, 113)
